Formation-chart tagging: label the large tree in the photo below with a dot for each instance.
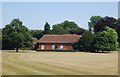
(93, 21)
(47, 28)
(110, 22)
(16, 35)
(77, 31)
(117, 28)
(58, 29)
(106, 40)
(65, 27)
(103, 22)
(37, 33)
(85, 42)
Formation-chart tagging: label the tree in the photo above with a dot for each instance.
(110, 22)
(16, 35)
(93, 21)
(77, 31)
(37, 33)
(65, 27)
(106, 40)
(68, 25)
(85, 42)
(100, 28)
(118, 29)
(57, 29)
(47, 28)
(103, 22)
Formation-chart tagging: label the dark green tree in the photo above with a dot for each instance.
(110, 22)
(85, 42)
(15, 35)
(102, 23)
(117, 28)
(37, 33)
(77, 31)
(47, 28)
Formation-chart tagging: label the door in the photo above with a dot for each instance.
(42, 47)
(61, 47)
(53, 46)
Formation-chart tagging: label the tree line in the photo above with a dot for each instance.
(66, 27)
(103, 34)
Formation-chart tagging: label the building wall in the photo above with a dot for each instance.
(68, 47)
(49, 46)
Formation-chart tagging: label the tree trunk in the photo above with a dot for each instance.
(102, 51)
(97, 51)
(84, 50)
(16, 49)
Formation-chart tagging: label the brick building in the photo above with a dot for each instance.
(57, 42)
(35, 41)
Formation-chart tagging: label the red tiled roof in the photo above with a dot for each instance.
(65, 38)
(35, 40)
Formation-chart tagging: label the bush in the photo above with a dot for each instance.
(85, 42)
(106, 40)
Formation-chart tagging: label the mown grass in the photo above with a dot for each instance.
(52, 63)
(20, 51)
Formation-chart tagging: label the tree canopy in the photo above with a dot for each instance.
(16, 35)
(103, 34)
(103, 22)
(85, 42)
(47, 28)
(93, 21)
(106, 40)
(110, 22)
(67, 27)
(37, 33)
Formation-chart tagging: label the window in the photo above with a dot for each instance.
(42, 47)
(53, 46)
(61, 46)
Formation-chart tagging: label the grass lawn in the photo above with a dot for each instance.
(59, 63)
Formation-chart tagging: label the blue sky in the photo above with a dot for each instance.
(35, 14)
(60, 0)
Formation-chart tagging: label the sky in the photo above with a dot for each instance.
(60, 0)
(35, 14)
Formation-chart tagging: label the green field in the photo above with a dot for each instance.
(59, 63)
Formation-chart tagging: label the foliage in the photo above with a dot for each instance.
(85, 42)
(110, 22)
(37, 33)
(102, 23)
(106, 40)
(118, 29)
(77, 31)
(47, 28)
(93, 21)
(15, 35)
(58, 29)
(65, 27)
